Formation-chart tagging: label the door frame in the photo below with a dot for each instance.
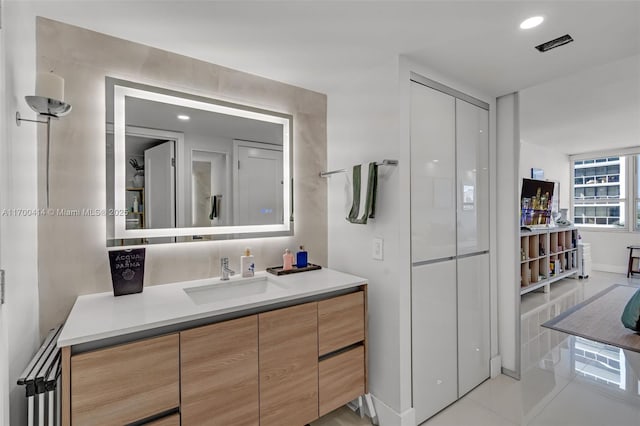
(195, 152)
(167, 135)
(4, 356)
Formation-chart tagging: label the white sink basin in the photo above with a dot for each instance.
(235, 289)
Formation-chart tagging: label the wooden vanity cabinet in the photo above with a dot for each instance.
(219, 374)
(286, 366)
(125, 383)
(289, 365)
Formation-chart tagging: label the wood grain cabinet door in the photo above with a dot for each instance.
(219, 374)
(289, 366)
(341, 379)
(340, 322)
(125, 383)
(173, 420)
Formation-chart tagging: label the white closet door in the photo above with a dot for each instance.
(433, 207)
(472, 153)
(473, 322)
(258, 190)
(434, 331)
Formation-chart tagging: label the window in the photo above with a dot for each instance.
(599, 192)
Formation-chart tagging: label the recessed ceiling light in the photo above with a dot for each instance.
(532, 22)
(183, 117)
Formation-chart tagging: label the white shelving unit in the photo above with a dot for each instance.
(547, 255)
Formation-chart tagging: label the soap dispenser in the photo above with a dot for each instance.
(247, 265)
(287, 260)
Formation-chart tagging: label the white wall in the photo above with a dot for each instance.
(609, 249)
(555, 164)
(363, 126)
(18, 235)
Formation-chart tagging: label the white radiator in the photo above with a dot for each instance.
(41, 380)
(584, 260)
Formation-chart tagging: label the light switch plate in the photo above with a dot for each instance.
(377, 249)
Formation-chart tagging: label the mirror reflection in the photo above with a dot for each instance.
(182, 167)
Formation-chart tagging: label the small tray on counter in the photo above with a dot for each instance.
(277, 270)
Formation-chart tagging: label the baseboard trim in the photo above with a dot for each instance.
(616, 269)
(511, 373)
(496, 366)
(387, 416)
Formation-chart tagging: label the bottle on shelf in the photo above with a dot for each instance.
(247, 265)
(301, 258)
(287, 260)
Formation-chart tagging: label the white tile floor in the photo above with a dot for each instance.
(565, 381)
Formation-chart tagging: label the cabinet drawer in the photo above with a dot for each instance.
(125, 383)
(173, 420)
(340, 322)
(341, 379)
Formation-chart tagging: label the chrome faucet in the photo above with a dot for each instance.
(225, 271)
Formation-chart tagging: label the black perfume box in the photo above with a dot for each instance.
(127, 271)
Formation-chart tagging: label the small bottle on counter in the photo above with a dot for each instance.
(247, 265)
(287, 260)
(135, 204)
(301, 258)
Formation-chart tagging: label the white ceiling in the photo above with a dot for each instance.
(313, 43)
(575, 103)
(202, 124)
(593, 110)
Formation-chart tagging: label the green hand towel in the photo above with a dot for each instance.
(362, 210)
(355, 206)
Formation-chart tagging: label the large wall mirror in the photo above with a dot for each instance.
(186, 168)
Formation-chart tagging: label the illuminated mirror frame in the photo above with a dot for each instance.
(205, 104)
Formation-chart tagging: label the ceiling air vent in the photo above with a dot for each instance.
(560, 41)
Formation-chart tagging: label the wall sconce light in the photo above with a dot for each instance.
(48, 103)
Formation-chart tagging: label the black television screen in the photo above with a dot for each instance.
(535, 202)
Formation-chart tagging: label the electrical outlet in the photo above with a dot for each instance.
(377, 249)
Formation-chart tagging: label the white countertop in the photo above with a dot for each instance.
(100, 316)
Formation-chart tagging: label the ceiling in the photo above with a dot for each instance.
(203, 124)
(593, 110)
(580, 97)
(314, 43)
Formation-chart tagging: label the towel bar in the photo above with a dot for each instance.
(379, 163)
